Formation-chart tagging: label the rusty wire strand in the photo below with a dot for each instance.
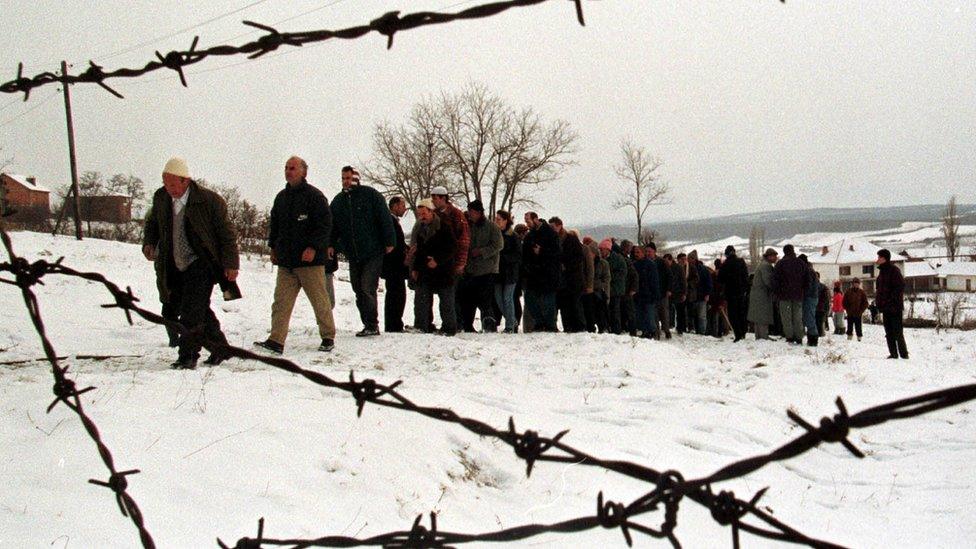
(387, 25)
(670, 487)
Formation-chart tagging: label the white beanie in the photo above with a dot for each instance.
(438, 191)
(177, 166)
(426, 203)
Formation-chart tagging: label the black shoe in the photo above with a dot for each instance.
(890, 357)
(327, 345)
(812, 341)
(667, 335)
(214, 359)
(368, 332)
(273, 346)
(905, 357)
(174, 340)
(184, 364)
(445, 333)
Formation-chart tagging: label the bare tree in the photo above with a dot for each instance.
(639, 172)
(130, 186)
(757, 241)
(250, 223)
(410, 160)
(950, 229)
(652, 235)
(473, 144)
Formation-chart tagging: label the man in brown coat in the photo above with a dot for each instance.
(855, 303)
(188, 236)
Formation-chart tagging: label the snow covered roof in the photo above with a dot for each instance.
(957, 268)
(22, 179)
(848, 251)
(918, 269)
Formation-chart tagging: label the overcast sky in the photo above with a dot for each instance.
(752, 105)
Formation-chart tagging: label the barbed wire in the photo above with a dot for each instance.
(387, 25)
(670, 487)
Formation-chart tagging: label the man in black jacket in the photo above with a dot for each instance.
(395, 272)
(734, 276)
(890, 297)
(299, 235)
(540, 262)
(664, 280)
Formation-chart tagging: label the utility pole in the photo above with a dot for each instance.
(71, 154)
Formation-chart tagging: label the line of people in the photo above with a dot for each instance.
(476, 264)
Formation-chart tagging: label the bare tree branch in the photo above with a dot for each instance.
(639, 172)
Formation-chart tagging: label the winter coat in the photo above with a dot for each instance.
(648, 285)
(734, 276)
(633, 281)
(761, 295)
(573, 260)
(663, 276)
(541, 270)
(361, 224)
(208, 231)
(435, 240)
(510, 258)
(823, 298)
(889, 291)
(485, 247)
(790, 278)
(855, 302)
(300, 219)
(601, 273)
(705, 286)
(590, 253)
(837, 302)
(811, 289)
(394, 263)
(679, 284)
(618, 274)
(458, 223)
(691, 276)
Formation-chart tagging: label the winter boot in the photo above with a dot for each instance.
(812, 340)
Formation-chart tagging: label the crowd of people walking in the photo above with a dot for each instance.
(535, 276)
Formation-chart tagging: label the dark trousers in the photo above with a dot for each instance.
(894, 333)
(571, 311)
(589, 318)
(601, 315)
(423, 306)
(854, 323)
(541, 307)
(628, 315)
(365, 279)
(680, 316)
(613, 314)
(394, 303)
(189, 298)
(737, 308)
(477, 293)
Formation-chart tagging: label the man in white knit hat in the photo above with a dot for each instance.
(188, 236)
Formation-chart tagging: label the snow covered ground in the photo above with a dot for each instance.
(219, 448)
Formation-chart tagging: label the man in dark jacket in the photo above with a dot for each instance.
(477, 287)
(789, 283)
(648, 293)
(618, 282)
(395, 271)
(540, 267)
(572, 258)
(188, 236)
(734, 276)
(664, 292)
(679, 291)
(890, 297)
(362, 231)
(433, 269)
(298, 237)
(855, 303)
(628, 315)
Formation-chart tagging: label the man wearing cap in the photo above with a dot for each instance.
(890, 296)
(362, 231)
(761, 295)
(298, 236)
(433, 269)
(476, 289)
(193, 245)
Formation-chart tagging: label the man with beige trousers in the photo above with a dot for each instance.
(298, 236)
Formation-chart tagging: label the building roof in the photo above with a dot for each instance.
(22, 179)
(918, 269)
(957, 268)
(849, 251)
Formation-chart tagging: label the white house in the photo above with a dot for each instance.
(848, 259)
(957, 276)
(920, 277)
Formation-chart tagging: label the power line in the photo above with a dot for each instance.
(180, 31)
(33, 107)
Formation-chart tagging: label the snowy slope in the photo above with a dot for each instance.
(219, 448)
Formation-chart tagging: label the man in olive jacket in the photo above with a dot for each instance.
(362, 231)
(476, 288)
(298, 235)
(761, 296)
(188, 236)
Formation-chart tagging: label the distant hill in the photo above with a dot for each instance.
(781, 224)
